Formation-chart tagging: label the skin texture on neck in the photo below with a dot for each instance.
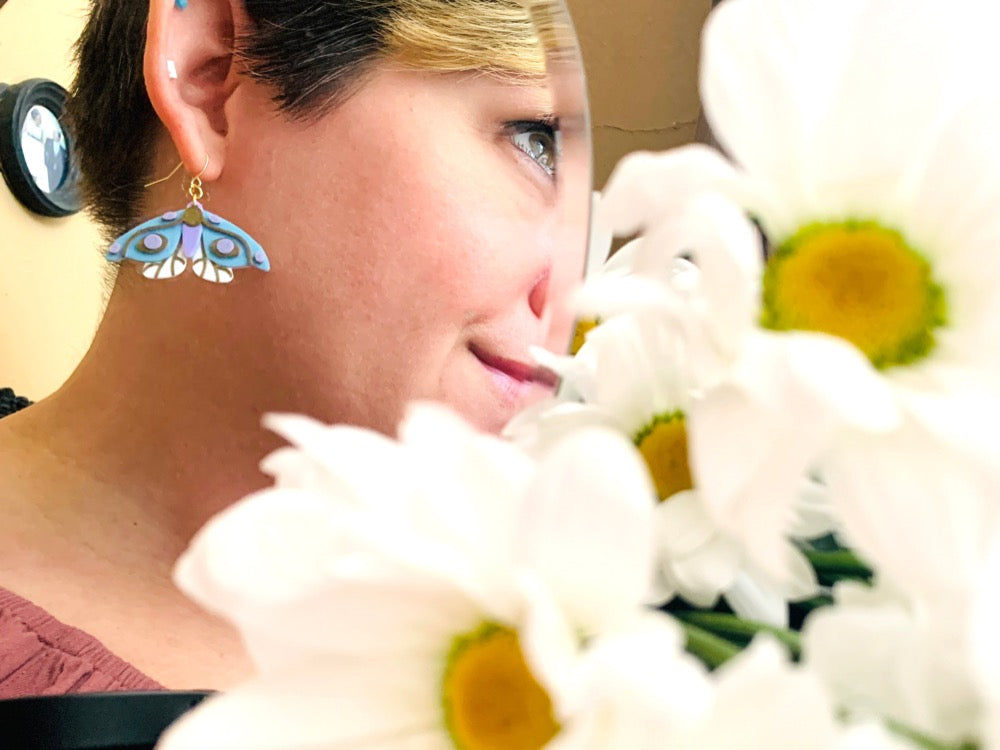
(158, 429)
(106, 481)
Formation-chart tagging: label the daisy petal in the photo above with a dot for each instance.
(855, 162)
(754, 601)
(542, 426)
(349, 481)
(728, 252)
(601, 237)
(340, 587)
(756, 694)
(682, 524)
(402, 618)
(704, 574)
(759, 98)
(748, 487)
(637, 689)
(841, 376)
(918, 509)
(550, 645)
(644, 186)
(604, 296)
(591, 492)
(328, 704)
(242, 555)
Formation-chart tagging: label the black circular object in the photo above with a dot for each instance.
(92, 721)
(36, 151)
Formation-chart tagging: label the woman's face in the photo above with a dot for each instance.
(419, 237)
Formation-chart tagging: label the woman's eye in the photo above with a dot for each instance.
(539, 140)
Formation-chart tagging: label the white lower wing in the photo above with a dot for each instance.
(210, 271)
(167, 269)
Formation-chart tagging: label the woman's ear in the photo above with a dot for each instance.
(189, 72)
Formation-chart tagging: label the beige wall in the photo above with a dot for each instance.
(50, 269)
(641, 60)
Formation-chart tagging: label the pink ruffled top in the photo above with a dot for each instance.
(41, 656)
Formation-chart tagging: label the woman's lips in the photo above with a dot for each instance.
(514, 376)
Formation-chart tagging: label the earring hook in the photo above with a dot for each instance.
(164, 179)
(195, 189)
(203, 169)
(176, 169)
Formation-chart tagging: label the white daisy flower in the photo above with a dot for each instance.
(635, 192)
(921, 511)
(760, 700)
(904, 660)
(437, 592)
(631, 376)
(869, 165)
(637, 690)
(868, 162)
(985, 650)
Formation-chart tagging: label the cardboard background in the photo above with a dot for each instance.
(641, 58)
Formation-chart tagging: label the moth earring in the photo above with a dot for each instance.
(213, 247)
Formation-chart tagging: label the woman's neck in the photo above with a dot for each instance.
(162, 417)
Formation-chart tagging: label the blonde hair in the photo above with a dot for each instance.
(510, 38)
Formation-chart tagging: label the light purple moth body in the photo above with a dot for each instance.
(191, 230)
(190, 239)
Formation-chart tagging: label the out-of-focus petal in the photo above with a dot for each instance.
(591, 493)
(328, 704)
(646, 186)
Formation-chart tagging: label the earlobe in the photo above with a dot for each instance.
(188, 72)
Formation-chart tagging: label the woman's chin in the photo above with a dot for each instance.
(494, 412)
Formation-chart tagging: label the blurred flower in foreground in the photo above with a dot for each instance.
(907, 660)
(440, 591)
(762, 701)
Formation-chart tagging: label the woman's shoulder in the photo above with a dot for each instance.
(41, 656)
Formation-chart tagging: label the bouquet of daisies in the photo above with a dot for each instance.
(761, 511)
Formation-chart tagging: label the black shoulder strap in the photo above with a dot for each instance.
(10, 402)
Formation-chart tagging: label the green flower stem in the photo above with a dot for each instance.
(731, 627)
(815, 602)
(710, 648)
(839, 564)
(919, 739)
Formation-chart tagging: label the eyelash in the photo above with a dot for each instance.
(549, 127)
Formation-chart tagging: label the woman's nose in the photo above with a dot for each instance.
(539, 294)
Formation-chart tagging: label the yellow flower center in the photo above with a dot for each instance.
(860, 281)
(491, 699)
(583, 327)
(664, 446)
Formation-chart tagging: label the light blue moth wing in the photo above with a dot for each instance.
(228, 246)
(153, 241)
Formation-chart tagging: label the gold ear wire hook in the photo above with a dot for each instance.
(203, 169)
(194, 189)
(175, 170)
(164, 179)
